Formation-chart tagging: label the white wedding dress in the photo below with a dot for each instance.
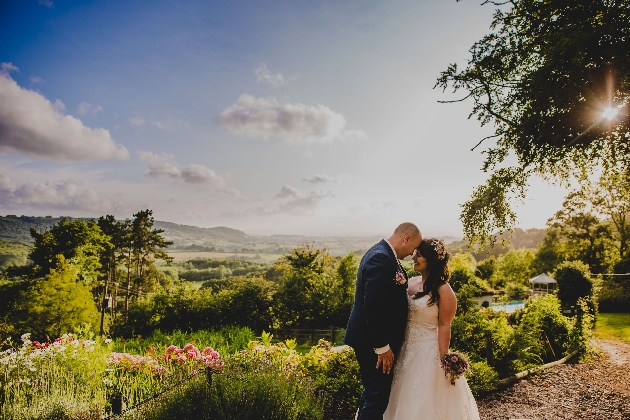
(420, 390)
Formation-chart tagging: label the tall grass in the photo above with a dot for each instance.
(226, 341)
(242, 396)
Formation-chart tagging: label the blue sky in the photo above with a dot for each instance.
(315, 118)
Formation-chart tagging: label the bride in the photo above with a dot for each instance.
(420, 390)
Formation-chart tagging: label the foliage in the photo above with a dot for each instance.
(582, 329)
(244, 302)
(227, 340)
(542, 77)
(12, 254)
(61, 379)
(614, 295)
(73, 377)
(585, 236)
(574, 282)
(340, 382)
(514, 267)
(481, 378)
(485, 268)
(58, 303)
(79, 242)
(550, 252)
(542, 335)
(316, 290)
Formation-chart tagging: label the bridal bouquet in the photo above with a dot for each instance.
(454, 365)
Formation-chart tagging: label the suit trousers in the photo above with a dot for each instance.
(376, 386)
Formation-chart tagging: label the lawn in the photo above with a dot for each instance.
(613, 326)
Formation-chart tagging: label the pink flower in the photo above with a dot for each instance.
(454, 359)
(171, 349)
(181, 359)
(214, 354)
(188, 347)
(207, 351)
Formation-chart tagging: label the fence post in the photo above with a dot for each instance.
(209, 375)
(489, 352)
(118, 404)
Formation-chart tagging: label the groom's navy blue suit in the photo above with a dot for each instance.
(378, 318)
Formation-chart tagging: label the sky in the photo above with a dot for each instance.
(273, 117)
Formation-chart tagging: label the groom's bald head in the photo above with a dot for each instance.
(408, 228)
(405, 239)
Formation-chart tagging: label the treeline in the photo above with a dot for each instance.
(77, 264)
(213, 269)
(306, 288)
(588, 236)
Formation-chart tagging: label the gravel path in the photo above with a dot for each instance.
(594, 390)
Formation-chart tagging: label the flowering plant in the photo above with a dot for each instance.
(400, 278)
(438, 247)
(454, 365)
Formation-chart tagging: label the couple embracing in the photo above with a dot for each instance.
(400, 328)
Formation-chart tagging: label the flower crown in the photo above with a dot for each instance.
(438, 247)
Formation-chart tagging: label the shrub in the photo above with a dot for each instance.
(339, 382)
(481, 378)
(542, 335)
(574, 282)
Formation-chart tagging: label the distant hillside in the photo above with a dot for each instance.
(17, 228)
(219, 239)
(520, 238)
(183, 235)
(12, 253)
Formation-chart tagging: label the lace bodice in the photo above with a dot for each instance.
(422, 324)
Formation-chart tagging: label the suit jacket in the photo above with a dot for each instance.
(379, 314)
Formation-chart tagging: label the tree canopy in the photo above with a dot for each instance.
(553, 79)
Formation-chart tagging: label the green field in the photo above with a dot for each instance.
(613, 326)
(191, 255)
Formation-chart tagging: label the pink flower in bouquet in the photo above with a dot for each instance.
(454, 359)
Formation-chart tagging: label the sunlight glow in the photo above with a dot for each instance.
(610, 113)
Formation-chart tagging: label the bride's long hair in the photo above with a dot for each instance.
(438, 273)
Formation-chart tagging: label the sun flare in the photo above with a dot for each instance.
(610, 113)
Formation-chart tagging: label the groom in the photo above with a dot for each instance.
(376, 327)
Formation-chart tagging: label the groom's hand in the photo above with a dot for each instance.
(386, 360)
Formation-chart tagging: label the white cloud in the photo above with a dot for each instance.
(46, 3)
(288, 191)
(8, 67)
(68, 194)
(320, 179)
(263, 118)
(31, 124)
(137, 121)
(35, 80)
(299, 203)
(85, 108)
(165, 166)
(264, 74)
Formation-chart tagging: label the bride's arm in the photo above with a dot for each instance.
(446, 313)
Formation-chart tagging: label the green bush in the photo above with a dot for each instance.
(574, 282)
(542, 335)
(481, 378)
(236, 395)
(339, 382)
